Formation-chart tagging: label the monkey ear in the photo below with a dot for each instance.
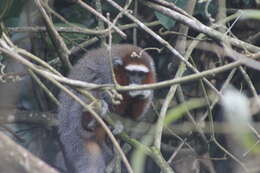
(117, 61)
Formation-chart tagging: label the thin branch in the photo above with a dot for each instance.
(74, 27)
(100, 22)
(62, 49)
(93, 11)
(45, 89)
(250, 85)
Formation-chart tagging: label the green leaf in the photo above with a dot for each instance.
(200, 8)
(166, 21)
(248, 2)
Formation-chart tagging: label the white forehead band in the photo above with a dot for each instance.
(135, 67)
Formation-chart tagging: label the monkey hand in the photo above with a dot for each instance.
(115, 96)
(103, 108)
(89, 122)
(118, 127)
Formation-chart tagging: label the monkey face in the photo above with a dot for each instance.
(136, 75)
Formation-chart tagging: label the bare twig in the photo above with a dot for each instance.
(55, 37)
(47, 91)
(93, 11)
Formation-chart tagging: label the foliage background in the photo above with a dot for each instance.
(188, 139)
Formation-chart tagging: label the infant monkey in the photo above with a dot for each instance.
(131, 66)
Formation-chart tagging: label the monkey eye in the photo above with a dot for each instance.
(140, 74)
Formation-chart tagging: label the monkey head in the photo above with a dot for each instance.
(135, 68)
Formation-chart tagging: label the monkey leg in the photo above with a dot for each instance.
(82, 154)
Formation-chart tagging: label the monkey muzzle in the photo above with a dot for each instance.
(144, 94)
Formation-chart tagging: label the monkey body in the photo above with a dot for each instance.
(85, 150)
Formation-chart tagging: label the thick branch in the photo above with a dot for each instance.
(16, 159)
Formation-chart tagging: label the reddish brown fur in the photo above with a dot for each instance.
(120, 74)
